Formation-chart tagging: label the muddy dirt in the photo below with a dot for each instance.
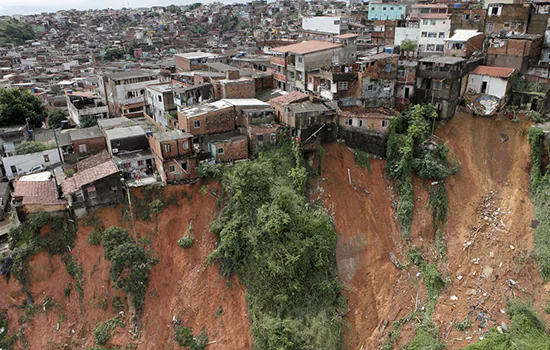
(181, 285)
(488, 236)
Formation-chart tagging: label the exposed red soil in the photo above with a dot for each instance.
(495, 157)
(181, 285)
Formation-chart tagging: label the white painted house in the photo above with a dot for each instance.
(26, 163)
(435, 28)
(494, 81)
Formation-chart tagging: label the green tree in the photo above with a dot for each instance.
(15, 32)
(55, 118)
(408, 45)
(87, 121)
(17, 106)
(30, 147)
(113, 54)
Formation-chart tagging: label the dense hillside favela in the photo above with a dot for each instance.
(316, 175)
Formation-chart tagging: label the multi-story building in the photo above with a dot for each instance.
(124, 92)
(160, 103)
(378, 80)
(323, 28)
(439, 82)
(194, 60)
(292, 62)
(83, 106)
(174, 155)
(434, 27)
(464, 43)
(514, 51)
(386, 11)
(503, 19)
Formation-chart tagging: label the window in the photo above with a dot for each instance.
(196, 124)
(300, 59)
(273, 137)
(160, 98)
(385, 123)
(425, 22)
(441, 35)
(13, 169)
(92, 193)
(185, 144)
(46, 158)
(439, 48)
(490, 27)
(184, 166)
(360, 122)
(370, 87)
(220, 150)
(141, 162)
(79, 196)
(432, 35)
(260, 137)
(466, 16)
(172, 168)
(372, 8)
(477, 17)
(401, 73)
(82, 148)
(437, 85)
(168, 148)
(348, 121)
(432, 22)
(424, 34)
(383, 9)
(342, 85)
(127, 165)
(391, 8)
(337, 21)
(430, 47)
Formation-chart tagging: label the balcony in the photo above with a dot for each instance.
(279, 77)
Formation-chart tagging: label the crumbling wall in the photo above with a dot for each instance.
(364, 140)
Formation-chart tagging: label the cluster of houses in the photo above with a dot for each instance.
(345, 73)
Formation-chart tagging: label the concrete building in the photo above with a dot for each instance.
(85, 142)
(194, 60)
(377, 120)
(494, 81)
(378, 80)
(124, 92)
(505, 18)
(434, 29)
(514, 51)
(292, 62)
(228, 147)
(28, 163)
(439, 82)
(323, 28)
(84, 106)
(160, 103)
(37, 193)
(386, 11)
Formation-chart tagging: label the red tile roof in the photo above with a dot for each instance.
(292, 97)
(498, 72)
(371, 113)
(37, 192)
(94, 168)
(306, 47)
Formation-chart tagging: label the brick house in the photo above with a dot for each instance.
(37, 193)
(505, 18)
(210, 118)
(228, 147)
(86, 142)
(372, 119)
(514, 51)
(174, 155)
(378, 80)
(279, 103)
(96, 183)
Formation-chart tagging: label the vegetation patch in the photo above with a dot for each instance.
(7, 341)
(427, 336)
(526, 331)
(74, 269)
(26, 239)
(362, 159)
(410, 150)
(102, 331)
(131, 263)
(185, 338)
(187, 240)
(540, 194)
(284, 251)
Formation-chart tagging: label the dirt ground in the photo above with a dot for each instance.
(181, 285)
(488, 236)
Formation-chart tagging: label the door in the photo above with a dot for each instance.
(484, 87)
(407, 92)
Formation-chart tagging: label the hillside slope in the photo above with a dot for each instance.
(489, 206)
(181, 285)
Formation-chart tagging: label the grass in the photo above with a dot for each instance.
(527, 331)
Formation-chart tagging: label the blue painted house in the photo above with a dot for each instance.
(387, 11)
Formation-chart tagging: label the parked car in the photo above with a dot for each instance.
(36, 169)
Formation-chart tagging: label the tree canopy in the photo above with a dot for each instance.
(15, 32)
(55, 118)
(113, 53)
(16, 106)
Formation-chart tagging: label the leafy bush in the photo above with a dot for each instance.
(31, 147)
(69, 172)
(362, 159)
(464, 324)
(117, 303)
(156, 206)
(283, 250)
(426, 337)
(6, 341)
(207, 170)
(130, 263)
(186, 241)
(185, 337)
(102, 331)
